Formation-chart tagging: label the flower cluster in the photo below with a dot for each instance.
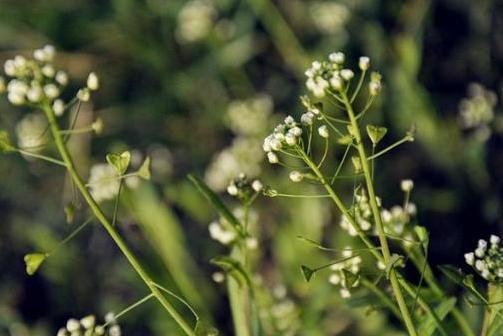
(249, 117)
(104, 182)
(87, 327)
(395, 219)
(361, 213)
(331, 76)
(195, 20)
(244, 188)
(35, 80)
(31, 132)
(286, 134)
(478, 108)
(223, 232)
(487, 259)
(345, 273)
(329, 17)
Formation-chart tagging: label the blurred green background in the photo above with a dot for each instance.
(196, 85)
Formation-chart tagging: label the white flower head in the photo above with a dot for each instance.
(58, 107)
(364, 63)
(337, 57)
(296, 176)
(323, 131)
(84, 95)
(257, 185)
(103, 182)
(93, 82)
(470, 258)
(272, 157)
(347, 74)
(495, 240)
(407, 185)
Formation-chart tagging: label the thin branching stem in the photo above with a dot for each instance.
(102, 218)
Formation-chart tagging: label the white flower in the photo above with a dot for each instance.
(364, 63)
(10, 68)
(93, 83)
(51, 91)
(195, 20)
(30, 132)
(289, 121)
(296, 176)
(34, 94)
(470, 258)
(407, 185)
(48, 71)
(257, 186)
(58, 107)
(218, 277)
(103, 182)
(232, 189)
(290, 139)
(16, 98)
(114, 331)
(272, 157)
(84, 95)
(307, 118)
(323, 131)
(345, 293)
(220, 234)
(61, 77)
(347, 74)
(334, 279)
(381, 265)
(336, 57)
(480, 252)
(495, 240)
(297, 131)
(482, 244)
(480, 265)
(336, 82)
(374, 88)
(72, 325)
(88, 322)
(20, 61)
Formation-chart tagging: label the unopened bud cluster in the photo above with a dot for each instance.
(331, 75)
(487, 259)
(243, 188)
(87, 327)
(35, 80)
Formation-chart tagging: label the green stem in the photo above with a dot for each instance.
(68, 160)
(41, 157)
(418, 260)
(409, 324)
(426, 307)
(340, 205)
(382, 296)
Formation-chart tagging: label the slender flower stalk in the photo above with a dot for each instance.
(407, 318)
(135, 263)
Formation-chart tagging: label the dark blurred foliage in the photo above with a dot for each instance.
(159, 92)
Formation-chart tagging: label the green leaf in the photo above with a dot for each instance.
(466, 281)
(376, 133)
(307, 272)
(120, 161)
(217, 204)
(351, 279)
(33, 262)
(5, 144)
(233, 268)
(428, 326)
(144, 171)
(396, 260)
(454, 274)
